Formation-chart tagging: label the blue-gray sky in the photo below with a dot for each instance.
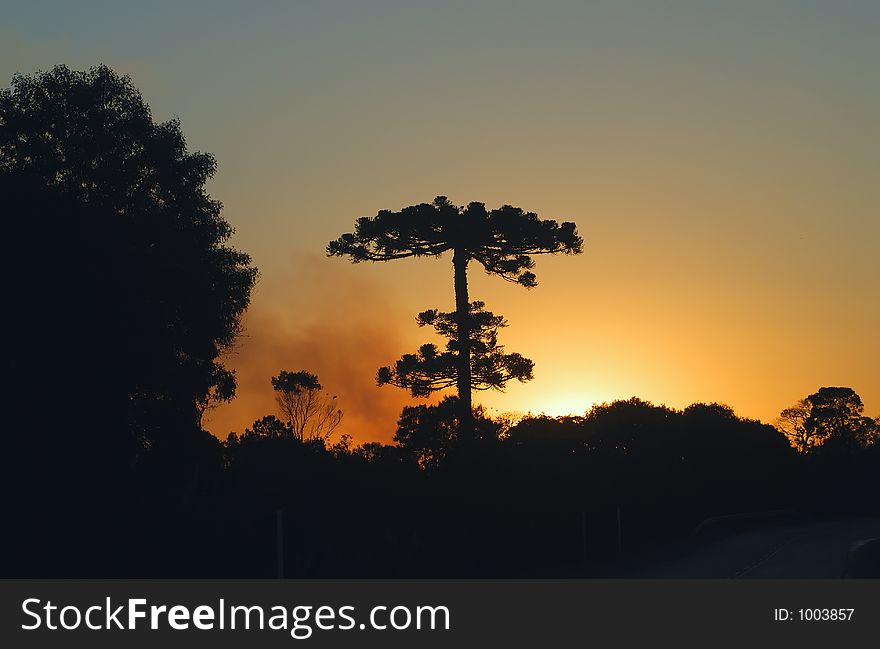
(720, 159)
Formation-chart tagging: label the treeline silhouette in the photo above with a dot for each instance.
(122, 295)
(565, 496)
(547, 496)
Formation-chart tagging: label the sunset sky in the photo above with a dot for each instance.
(719, 159)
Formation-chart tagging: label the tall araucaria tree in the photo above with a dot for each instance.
(501, 240)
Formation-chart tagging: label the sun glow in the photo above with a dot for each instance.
(560, 405)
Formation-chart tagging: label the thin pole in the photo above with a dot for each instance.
(619, 536)
(584, 533)
(279, 543)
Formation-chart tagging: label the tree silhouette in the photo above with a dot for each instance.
(311, 413)
(501, 240)
(127, 278)
(426, 432)
(221, 389)
(430, 370)
(834, 410)
(268, 427)
(121, 294)
(793, 423)
(829, 415)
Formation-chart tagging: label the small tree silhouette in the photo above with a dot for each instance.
(310, 413)
(502, 241)
(429, 369)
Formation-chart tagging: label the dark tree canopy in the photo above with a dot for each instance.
(501, 240)
(831, 415)
(295, 381)
(125, 292)
(268, 427)
(429, 369)
(428, 432)
(836, 416)
(655, 440)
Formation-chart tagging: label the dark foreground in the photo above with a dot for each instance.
(805, 550)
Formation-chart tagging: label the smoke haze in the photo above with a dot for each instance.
(330, 321)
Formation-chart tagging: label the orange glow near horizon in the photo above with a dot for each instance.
(718, 159)
(562, 405)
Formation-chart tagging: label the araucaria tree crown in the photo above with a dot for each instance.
(501, 240)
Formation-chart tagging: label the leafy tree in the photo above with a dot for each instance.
(220, 390)
(834, 412)
(269, 460)
(631, 427)
(342, 448)
(124, 275)
(714, 436)
(829, 415)
(311, 413)
(268, 427)
(502, 241)
(793, 423)
(430, 370)
(377, 452)
(427, 432)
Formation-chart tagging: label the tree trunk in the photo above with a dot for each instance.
(463, 370)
